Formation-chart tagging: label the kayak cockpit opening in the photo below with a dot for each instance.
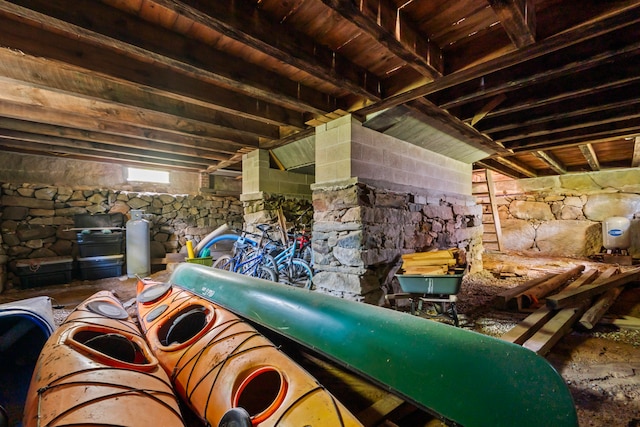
(185, 326)
(261, 393)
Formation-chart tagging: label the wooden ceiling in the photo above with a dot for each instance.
(543, 86)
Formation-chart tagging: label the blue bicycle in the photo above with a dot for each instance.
(249, 259)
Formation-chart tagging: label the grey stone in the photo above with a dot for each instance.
(569, 238)
(602, 206)
(518, 235)
(27, 202)
(17, 213)
(531, 210)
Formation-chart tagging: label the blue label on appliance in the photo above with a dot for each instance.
(616, 232)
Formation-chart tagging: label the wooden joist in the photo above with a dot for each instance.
(529, 293)
(540, 331)
(567, 298)
(532, 323)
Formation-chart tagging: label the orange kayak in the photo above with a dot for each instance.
(225, 370)
(96, 369)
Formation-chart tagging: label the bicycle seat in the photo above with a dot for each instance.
(263, 227)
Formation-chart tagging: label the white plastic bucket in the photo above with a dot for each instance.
(615, 233)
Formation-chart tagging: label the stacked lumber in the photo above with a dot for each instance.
(431, 263)
(583, 302)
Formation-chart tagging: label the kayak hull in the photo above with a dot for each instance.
(219, 363)
(96, 369)
(463, 377)
(25, 326)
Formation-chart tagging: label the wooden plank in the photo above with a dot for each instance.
(548, 335)
(532, 295)
(494, 208)
(623, 322)
(566, 298)
(503, 300)
(532, 323)
(375, 413)
(518, 18)
(599, 308)
(551, 332)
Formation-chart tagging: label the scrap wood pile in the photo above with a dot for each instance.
(446, 261)
(584, 301)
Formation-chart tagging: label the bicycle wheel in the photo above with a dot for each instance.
(225, 262)
(296, 273)
(266, 273)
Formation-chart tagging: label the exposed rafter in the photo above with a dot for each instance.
(589, 153)
(518, 17)
(552, 161)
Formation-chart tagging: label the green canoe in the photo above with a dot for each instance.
(463, 377)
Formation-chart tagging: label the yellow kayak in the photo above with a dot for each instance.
(225, 370)
(96, 369)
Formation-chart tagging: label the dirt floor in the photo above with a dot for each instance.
(601, 366)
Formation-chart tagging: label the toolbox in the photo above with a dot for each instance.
(35, 272)
(99, 235)
(100, 267)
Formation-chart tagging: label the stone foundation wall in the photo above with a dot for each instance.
(563, 215)
(35, 219)
(360, 232)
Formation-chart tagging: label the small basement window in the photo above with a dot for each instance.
(148, 175)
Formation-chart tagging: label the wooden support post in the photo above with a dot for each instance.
(567, 298)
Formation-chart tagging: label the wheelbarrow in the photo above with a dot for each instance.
(441, 290)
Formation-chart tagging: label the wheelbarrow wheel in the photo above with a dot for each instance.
(453, 312)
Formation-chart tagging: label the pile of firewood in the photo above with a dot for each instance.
(583, 301)
(447, 261)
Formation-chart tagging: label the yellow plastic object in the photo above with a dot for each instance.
(190, 252)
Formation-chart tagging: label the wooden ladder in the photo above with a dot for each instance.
(484, 190)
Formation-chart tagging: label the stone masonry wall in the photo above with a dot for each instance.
(563, 215)
(361, 231)
(35, 219)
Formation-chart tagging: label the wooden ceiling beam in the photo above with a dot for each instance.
(635, 162)
(94, 155)
(111, 127)
(386, 23)
(621, 18)
(75, 146)
(25, 30)
(590, 155)
(501, 168)
(603, 131)
(180, 52)
(74, 80)
(518, 18)
(554, 163)
(13, 127)
(502, 87)
(13, 91)
(517, 166)
(563, 124)
(564, 108)
(243, 22)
